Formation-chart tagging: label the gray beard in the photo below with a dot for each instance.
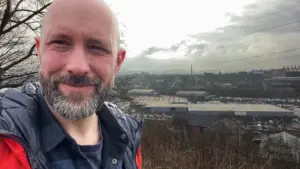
(73, 108)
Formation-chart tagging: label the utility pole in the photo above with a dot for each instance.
(192, 79)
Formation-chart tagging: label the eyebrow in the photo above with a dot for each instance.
(59, 36)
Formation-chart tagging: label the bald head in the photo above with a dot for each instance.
(81, 13)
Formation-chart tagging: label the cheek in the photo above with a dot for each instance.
(104, 69)
(51, 63)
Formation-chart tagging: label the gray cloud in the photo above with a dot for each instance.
(152, 50)
(253, 40)
(176, 46)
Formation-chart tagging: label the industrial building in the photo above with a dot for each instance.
(193, 96)
(228, 110)
(155, 100)
(240, 110)
(191, 93)
(167, 108)
(142, 92)
(292, 71)
(291, 79)
(280, 82)
(226, 118)
(209, 97)
(180, 105)
(297, 111)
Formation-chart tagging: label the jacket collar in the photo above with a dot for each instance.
(52, 132)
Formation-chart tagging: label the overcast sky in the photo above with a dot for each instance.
(165, 36)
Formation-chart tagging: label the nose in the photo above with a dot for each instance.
(78, 63)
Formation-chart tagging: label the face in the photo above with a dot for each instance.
(78, 57)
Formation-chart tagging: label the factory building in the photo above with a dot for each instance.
(281, 82)
(167, 108)
(240, 110)
(292, 71)
(297, 111)
(193, 96)
(291, 79)
(158, 104)
(142, 92)
(221, 117)
(225, 110)
(155, 100)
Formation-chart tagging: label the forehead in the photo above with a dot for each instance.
(78, 17)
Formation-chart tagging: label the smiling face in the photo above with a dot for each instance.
(79, 56)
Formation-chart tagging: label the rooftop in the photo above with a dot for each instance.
(297, 111)
(292, 68)
(167, 105)
(286, 78)
(141, 91)
(238, 108)
(156, 100)
(191, 93)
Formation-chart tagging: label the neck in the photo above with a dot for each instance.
(84, 132)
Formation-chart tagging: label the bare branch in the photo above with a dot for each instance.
(18, 75)
(28, 25)
(6, 52)
(16, 84)
(20, 60)
(14, 55)
(24, 10)
(26, 19)
(16, 7)
(16, 25)
(6, 16)
(10, 48)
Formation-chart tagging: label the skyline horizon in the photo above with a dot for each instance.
(188, 70)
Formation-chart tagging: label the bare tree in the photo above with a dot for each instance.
(20, 21)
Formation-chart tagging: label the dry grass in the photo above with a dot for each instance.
(164, 149)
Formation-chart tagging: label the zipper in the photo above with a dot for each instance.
(23, 145)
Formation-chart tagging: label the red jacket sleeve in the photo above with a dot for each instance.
(12, 155)
(139, 158)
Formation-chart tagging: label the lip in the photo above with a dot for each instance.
(75, 88)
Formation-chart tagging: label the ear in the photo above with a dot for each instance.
(38, 46)
(120, 59)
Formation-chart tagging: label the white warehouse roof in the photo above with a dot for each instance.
(241, 109)
(191, 93)
(228, 109)
(137, 91)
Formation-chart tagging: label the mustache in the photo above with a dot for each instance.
(77, 81)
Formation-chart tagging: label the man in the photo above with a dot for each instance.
(63, 122)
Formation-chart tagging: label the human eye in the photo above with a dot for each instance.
(97, 49)
(60, 44)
